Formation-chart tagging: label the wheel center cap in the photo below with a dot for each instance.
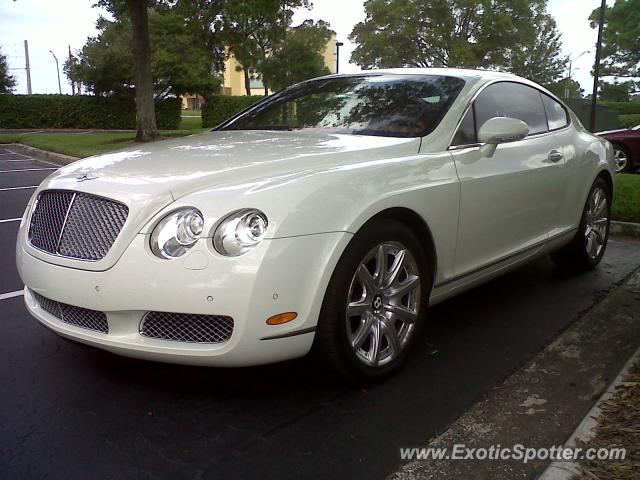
(377, 302)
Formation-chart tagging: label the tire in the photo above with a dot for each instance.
(590, 242)
(624, 161)
(356, 315)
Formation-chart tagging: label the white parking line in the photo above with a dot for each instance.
(17, 188)
(4, 296)
(28, 169)
(10, 220)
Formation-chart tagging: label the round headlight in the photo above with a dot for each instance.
(239, 232)
(177, 233)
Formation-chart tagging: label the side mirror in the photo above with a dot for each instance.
(500, 130)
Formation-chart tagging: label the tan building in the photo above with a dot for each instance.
(233, 77)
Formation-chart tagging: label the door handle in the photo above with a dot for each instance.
(555, 156)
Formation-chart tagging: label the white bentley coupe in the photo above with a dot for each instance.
(325, 218)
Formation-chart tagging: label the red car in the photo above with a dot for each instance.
(626, 144)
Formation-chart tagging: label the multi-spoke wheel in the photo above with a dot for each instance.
(383, 303)
(374, 307)
(588, 246)
(622, 158)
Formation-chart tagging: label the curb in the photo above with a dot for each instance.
(44, 155)
(586, 429)
(627, 229)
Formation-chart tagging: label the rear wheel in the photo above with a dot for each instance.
(374, 308)
(588, 246)
(624, 163)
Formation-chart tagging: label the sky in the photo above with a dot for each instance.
(55, 25)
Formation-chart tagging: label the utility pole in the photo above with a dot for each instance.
(338, 45)
(58, 69)
(596, 68)
(73, 84)
(27, 66)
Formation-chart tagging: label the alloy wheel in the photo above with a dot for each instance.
(620, 156)
(597, 222)
(383, 304)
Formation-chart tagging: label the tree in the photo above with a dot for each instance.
(452, 33)
(615, 92)
(179, 64)
(137, 11)
(620, 40)
(253, 30)
(7, 81)
(539, 59)
(299, 57)
(566, 88)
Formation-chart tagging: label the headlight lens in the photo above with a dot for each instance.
(240, 232)
(177, 233)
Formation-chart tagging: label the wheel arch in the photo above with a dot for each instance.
(417, 225)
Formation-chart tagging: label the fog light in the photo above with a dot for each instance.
(282, 318)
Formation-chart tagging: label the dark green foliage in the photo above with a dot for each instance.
(64, 111)
(624, 108)
(7, 81)
(219, 108)
(631, 120)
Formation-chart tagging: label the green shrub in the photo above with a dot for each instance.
(168, 113)
(81, 111)
(219, 108)
(627, 121)
(624, 108)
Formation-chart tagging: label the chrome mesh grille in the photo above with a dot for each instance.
(76, 225)
(78, 316)
(186, 327)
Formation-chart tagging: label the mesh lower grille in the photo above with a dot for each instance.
(76, 225)
(78, 316)
(186, 327)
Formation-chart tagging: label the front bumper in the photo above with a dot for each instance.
(280, 275)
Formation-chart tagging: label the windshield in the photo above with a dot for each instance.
(385, 105)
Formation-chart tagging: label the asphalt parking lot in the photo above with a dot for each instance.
(69, 411)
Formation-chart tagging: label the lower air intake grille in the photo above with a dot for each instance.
(186, 327)
(78, 316)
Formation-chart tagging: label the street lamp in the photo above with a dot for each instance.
(58, 69)
(338, 45)
(571, 60)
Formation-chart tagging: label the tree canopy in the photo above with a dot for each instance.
(620, 40)
(7, 81)
(299, 56)
(179, 64)
(517, 35)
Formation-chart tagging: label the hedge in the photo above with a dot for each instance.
(219, 108)
(81, 111)
(624, 108)
(627, 121)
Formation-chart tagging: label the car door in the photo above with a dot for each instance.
(506, 200)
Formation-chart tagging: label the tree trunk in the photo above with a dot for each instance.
(266, 88)
(247, 80)
(145, 108)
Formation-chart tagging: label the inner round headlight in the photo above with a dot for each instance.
(240, 232)
(177, 233)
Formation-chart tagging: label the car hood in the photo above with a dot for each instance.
(187, 164)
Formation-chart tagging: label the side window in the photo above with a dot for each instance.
(507, 99)
(466, 133)
(557, 116)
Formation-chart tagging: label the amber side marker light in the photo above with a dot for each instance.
(282, 318)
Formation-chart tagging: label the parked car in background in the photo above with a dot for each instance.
(325, 218)
(626, 147)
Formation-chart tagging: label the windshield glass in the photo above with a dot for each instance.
(385, 105)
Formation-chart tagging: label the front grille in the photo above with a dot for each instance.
(78, 316)
(76, 225)
(187, 327)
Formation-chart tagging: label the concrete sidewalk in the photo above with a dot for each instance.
(541, 404)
